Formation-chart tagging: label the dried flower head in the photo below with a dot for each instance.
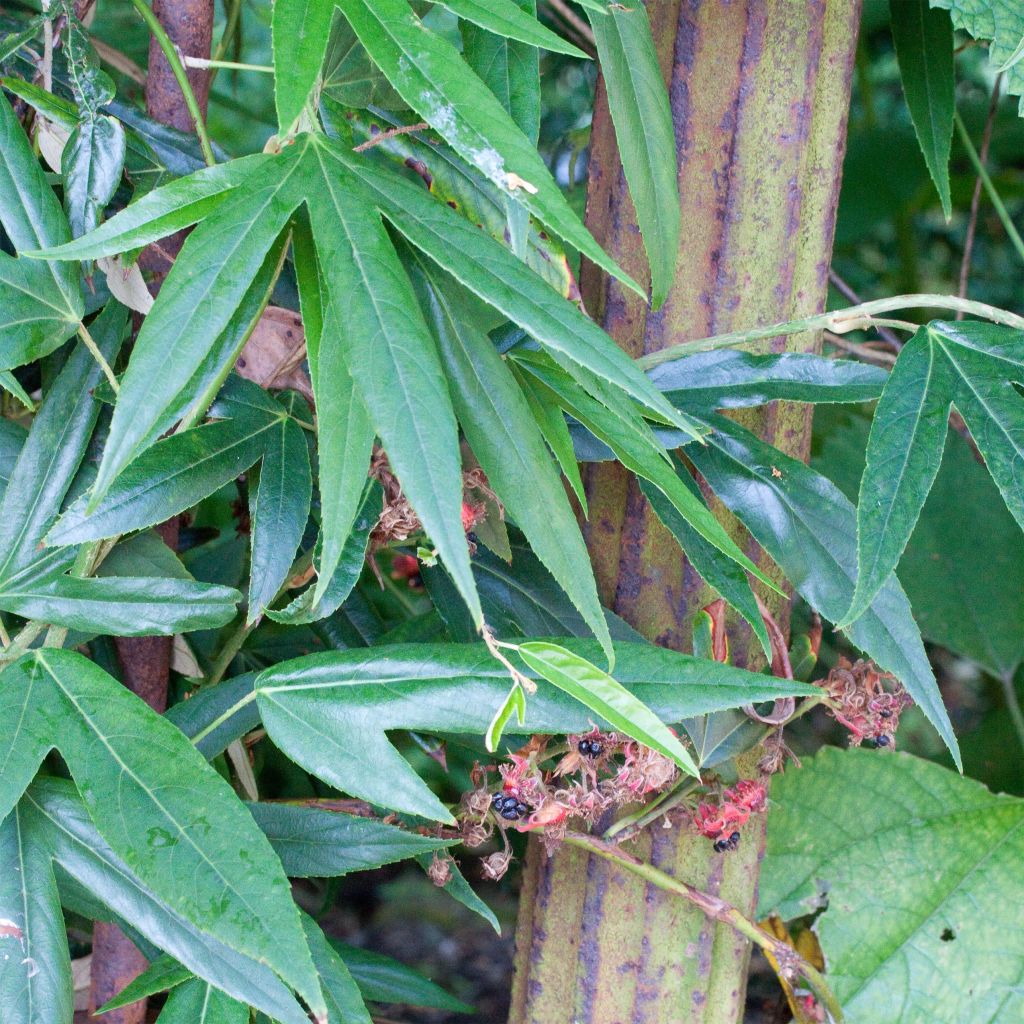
(440, 870)
(866, 701)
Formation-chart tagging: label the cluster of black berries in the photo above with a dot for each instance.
(589, 748)
(730, 843)
(509, 807)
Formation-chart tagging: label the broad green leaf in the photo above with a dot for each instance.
(12, 440)
(198, 1002)
(510, 70)
(91, 166)
(904, 451)
(162, 974)
(388, 349)
(40, 305)
(35, 969)
(330, 712)
(433, 79)
(300, 32)
(924, 49)
(1002, 22)
(722, 574)
(171, 476)
(324, 844)
(731, 379)
(204, 708)
(506, 18)
(496, 420)
(122, 606)
(278, 510)
(55, 448)
(344, 1002)
(203, 290)
(176, 205)
(168, 817)
(638, 450)
(638, 102)
(55, 813)
(489, 270)
(809, 529)
(606, 697)
(920, 872)
(382, 979)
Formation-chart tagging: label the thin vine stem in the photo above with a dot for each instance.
(91, 345)
(229, 65)
(170, 51)
(1013, 706)
(718, 910)
(839, 321)
(986, 180)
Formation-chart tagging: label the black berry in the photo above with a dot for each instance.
(498, 800)
(595, 748)
(721, 845)
(510, 814)
(521, 809)
(884, 741)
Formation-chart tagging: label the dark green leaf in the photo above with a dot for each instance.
(950, 886)
(300, 32)
(924, 49)
(55, 813)
(278, 510)
(638, 101)
(383, 979)
(462, 892)
(162, 974)
(323, 844)
(204, 708)
(510, 21)
(510, 70)
(904, 451)
(55, 448)
(344, 1003)
(40, 304)
(809, 529)
(35, 970)
(433, 79)
(198, 1002)
(91, 166)
(165, 816)
(496, 420)
(329, 712)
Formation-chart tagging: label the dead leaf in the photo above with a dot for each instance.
(273, 355)
(126, 283)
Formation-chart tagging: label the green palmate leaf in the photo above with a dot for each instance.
(902, 944)
(638, 450)
(924, 48)
(194, 309)
(489, 270)
(306, 608)
(54, 449)
(350, 77)
(173, 475)
(324, 844)
(330, 712)
(433, 79)
(172, 815)
(122, 606)
(91, 166)
(40, 305)
(903, 456)
(344, 1003)
(606, 697)
(35, 969)
(809, 528)
(393, 361)
(638, 101)
(723, 575)
(57, 816)
(278, 510)
(731, 379)
(300, 29)
(1002, 22)
(510, 70)
(159, 213)
(507, 18)
(383, 979)
(496, 420)
(198, 1002)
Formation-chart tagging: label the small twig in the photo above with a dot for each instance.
(791, 964)
(91, 345)
(846, 290)
(860, 348)
(583, 31)
(494, 647)
(376, 140)
(783, 708)
(170, 52)
(47, 65)
(972, 222)
(1013, 706)
(231, 65)
(986, 180)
